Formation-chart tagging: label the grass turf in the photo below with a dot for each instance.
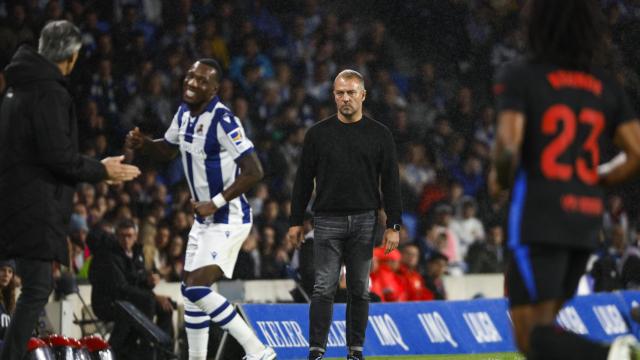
(493, 356)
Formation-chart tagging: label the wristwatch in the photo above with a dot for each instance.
(395, 227)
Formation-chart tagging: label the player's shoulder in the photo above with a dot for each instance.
(519, 67)
(608, 80)
(220, 113)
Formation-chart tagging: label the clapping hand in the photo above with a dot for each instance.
(135, 139)
(117, 171)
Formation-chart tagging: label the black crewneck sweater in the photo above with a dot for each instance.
(352, 164)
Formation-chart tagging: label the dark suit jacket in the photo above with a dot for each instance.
(39, 160)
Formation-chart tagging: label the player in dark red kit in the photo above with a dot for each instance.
(557, 110)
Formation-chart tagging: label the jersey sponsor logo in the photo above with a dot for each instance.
(587, 205)
(575, 80)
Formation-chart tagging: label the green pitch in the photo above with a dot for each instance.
(493, 356)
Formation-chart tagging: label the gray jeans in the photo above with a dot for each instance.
(339, 239)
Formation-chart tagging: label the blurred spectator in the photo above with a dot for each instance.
(80, 255)
(615, 214)
(176, 258)
(150, 110)
(386, 279)
(248, 263)
(435, 270)
(271, 265)
(411, 277)
(117, 273)
(14, 31)
(8, 285)
(251, 56)
(271, 217)
(161, 247)
(443, 219)
(487, 256)
(467, 228)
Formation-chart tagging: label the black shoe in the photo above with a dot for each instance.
(315, 355)
(356, 355)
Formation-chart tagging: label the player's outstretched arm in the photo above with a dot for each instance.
(623, 168)
(158, 149)
(506, 151)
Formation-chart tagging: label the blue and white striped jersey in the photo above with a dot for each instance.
(210, 143)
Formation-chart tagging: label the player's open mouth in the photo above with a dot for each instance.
(190, 93)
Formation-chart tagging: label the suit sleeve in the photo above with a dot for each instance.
(390, 181)
(303, 185)
(52, 127)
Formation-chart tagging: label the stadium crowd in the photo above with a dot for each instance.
(432, 89)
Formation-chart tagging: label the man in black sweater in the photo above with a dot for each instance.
(351, 158)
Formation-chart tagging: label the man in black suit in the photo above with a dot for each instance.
(39, 168)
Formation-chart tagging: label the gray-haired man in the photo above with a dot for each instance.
(39, 168)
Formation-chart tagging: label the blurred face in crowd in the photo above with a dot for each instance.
(436, 268)
(127, 237)
(163, 236)
(200, 85)
(411, 256)
(349, 94)
(177, 244)
(469, 211)
(6, 273)
(496, 235)
(618, 238)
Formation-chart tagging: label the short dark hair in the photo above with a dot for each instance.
(125, 224)
(214, 64)
(437, 255)
(59, 40)
(568, 33)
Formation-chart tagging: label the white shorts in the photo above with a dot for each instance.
(215, 244)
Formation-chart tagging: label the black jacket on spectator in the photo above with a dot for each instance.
(115, 276)
(39, 160)
(483, 257)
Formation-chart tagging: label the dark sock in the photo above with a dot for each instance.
(551, 342)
